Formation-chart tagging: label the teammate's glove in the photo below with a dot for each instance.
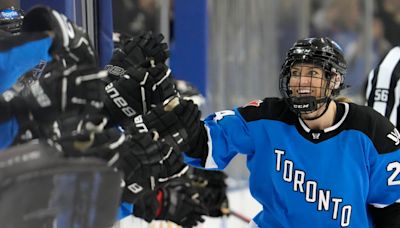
(70, 41)
(137, 91)
(137, 156)
(142, 160)
(144, 50)
(180, 204)
(72, 90)
(212, 189)
(157, 161)
(75, 135)
(75, 91)
(148, 206)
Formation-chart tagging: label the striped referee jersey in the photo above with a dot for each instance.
(383, 89)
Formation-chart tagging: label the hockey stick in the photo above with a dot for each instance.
(243, 218)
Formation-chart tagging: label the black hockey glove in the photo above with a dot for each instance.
(70, 41)
(212, 189)
(137, 156)
(75, 135)
(158, 161)
(75, 91)
(142, 159)
(180, 204)
(148, 206)
(137, 91)
(177, 123)
(144, 50)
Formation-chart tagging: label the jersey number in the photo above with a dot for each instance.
(395, 167)
(221, 114)
(381, 95)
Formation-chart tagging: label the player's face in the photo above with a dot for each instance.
(307, 80)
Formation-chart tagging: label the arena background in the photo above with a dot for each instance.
(232, 49)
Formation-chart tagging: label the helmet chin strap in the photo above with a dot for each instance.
(309, 104)
(327, 101)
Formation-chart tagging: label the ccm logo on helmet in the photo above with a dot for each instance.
(119, 101)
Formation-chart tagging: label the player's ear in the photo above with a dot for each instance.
(336, 80)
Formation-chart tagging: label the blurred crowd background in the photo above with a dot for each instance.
(248, 39)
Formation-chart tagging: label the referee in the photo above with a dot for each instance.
(383, 89)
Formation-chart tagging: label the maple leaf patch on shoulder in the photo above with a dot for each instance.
(254, 103)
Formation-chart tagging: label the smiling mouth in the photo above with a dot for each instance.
(304, 92)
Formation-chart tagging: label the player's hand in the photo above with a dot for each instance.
(147, 206)
(212, 190)
(76, 91)
(137, 156)
(144, 50)
(70, 41)
(137, 91)
(158, 163)
(142, 159)
(178, 126)
(83, 134)
(181, 204)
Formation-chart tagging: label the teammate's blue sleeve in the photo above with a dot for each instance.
(19, 57)
(19, 54)
(192, 161)
(8, 131)
(125, 209)
(227, 135)
(384, 178)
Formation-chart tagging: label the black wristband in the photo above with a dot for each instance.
(199, 145)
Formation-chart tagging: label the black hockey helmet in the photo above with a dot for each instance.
(322, 52)
(11, 19)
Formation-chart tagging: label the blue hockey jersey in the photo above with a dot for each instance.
(308, 178)
(18, 54)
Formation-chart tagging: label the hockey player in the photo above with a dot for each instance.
(55, 183)
(313, 161)
(45, 35)
(21, 52)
